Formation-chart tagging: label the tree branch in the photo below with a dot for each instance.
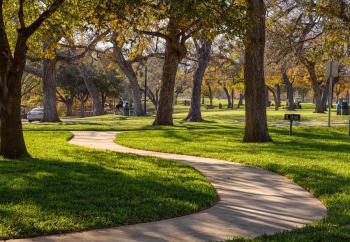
(34, 71)
(34, 59)
(21, 14)
(28, 31)
(61, 56)
(153, 33)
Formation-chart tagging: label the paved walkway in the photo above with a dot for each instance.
(251, 202)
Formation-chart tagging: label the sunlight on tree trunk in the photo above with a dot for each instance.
(194, 114)
(255, 88)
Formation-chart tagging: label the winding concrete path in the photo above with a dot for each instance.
(251, 202)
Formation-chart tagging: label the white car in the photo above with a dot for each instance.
(36, 114)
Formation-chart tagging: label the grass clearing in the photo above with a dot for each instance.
(69, 188)
(317, 158)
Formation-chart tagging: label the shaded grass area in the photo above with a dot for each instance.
(65, 188)
(317, 158)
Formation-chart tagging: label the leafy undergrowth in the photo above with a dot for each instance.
(65, 188)
(317, 158)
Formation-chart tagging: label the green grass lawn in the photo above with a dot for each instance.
(317, 158)
(217, 116)
(112, 189)
(63, 188)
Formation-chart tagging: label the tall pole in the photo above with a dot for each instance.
(145, 94)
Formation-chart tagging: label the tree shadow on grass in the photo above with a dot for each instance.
(40, 196)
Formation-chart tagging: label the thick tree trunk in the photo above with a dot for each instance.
(166, 98)
(240, 101)
(12, 141)
(69, 107)
(275, 98)
(176, 98)
(153, 97)
(82, 108)
(49, 91)
(175, 51)
(255, 89)
(278, 96)
(210, 95)
(94, 94)
(194, 114)
(129, 72)
(11, 136)
(232, 98)
(325, 96)
(289, 87)
(228, 96)
(11, 70)
(320, 106)
(104, 100)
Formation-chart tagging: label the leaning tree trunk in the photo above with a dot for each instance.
(95, 96)
(49, 91)
(194, 114)
(153, 97)
(255, 89)
(274, 94)
(318, 92)
(129, 72)
(289, 87)
(175, 51)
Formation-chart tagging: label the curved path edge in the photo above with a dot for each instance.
(252, 202)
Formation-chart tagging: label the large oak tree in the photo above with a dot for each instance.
(13, 53)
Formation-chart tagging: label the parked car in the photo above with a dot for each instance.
(36, 114)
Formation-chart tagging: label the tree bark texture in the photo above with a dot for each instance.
(94, 93)
(194, 114)
(289, 87)
(129, 72)
(255, 89)
(175, 51)
(49, 91)
(11, 70)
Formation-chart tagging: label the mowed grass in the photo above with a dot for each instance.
(316, 158)
(215, 116)
(64, 188)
